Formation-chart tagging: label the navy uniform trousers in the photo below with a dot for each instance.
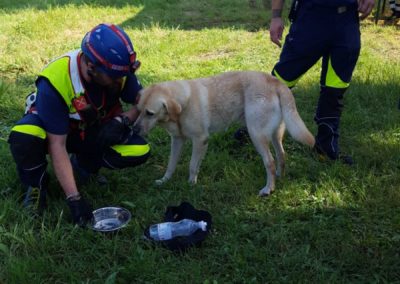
(28, 145)
(333, 34)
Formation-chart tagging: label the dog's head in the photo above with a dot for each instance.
(156, 105)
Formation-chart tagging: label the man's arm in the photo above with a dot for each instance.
(81, 210)
(62, 164)
(277, 6)
(276, 26)
(132, 114)
(365, 7)
(115, 130)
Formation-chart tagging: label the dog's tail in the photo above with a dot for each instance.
(295, 125)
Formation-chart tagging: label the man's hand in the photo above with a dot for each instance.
(365, 8)
(276, 30)
(81, 211)
(111, 133)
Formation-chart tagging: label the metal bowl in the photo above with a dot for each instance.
(109, 219)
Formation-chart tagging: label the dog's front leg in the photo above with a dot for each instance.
(176, 150)
(199, 149)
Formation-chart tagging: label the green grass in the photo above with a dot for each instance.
(326, 222)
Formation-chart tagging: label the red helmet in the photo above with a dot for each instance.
(110, 49)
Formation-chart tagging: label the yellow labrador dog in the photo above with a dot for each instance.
(193, 109)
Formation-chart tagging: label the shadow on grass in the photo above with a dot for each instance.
(371, 119)
(190, 15)
(197, 15)
(343, 243)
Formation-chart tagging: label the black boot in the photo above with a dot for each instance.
(35, 197)
(327, 117)
(322, 156)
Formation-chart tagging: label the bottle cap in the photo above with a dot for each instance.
(203, 225)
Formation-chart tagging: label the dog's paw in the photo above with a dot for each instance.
(265, 192)
(161, 181)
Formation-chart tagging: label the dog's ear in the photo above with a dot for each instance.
(173, 109)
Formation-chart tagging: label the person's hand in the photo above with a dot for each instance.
(365, 8)
(111, 133)
(276, 30)
(81, 210)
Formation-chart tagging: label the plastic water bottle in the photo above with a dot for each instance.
(169, 230)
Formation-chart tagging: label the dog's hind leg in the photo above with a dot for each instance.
(277, 137)
(263, 120)
(199, 149)
(261, 142)
(176, 150)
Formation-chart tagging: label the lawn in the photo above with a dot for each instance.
(325, 223)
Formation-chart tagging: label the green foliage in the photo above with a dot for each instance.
(326, 222)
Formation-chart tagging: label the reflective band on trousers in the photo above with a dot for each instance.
(290, 84)
(31, 130)
(332, 79)
(131, 150)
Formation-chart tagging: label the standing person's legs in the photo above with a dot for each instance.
(337, 69)
(306, 42)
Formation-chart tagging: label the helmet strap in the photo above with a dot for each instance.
(135, 66)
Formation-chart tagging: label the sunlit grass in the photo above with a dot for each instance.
(325, 223)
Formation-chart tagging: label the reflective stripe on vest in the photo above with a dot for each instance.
(63, 74)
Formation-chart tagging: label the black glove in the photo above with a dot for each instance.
(111, 133)
(81, 211)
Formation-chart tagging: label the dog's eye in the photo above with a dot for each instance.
(149, 113)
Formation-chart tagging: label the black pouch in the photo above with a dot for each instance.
(89, 115)
(184, 211)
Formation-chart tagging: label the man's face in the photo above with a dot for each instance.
(105, 80)
(102, 78)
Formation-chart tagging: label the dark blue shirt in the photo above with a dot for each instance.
(53, 110)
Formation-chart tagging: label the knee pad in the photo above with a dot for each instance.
(135, 152)
(115, 160)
